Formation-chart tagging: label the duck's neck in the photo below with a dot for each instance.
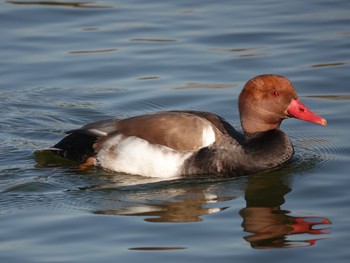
(266, 150)
(257, 152)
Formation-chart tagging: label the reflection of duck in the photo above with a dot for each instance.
(180, 143)
(187, 204)
(270, 226)
(186, 210)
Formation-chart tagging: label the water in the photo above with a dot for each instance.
(64, 64)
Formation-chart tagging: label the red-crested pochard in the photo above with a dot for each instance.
(181, 143)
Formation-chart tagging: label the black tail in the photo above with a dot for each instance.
(77, 146)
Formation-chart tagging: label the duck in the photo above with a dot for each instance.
(170, 144)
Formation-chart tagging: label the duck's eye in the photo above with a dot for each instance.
(275, 93)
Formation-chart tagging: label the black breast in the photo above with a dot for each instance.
(259, 152)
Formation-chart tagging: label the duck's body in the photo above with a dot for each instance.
(180, 143)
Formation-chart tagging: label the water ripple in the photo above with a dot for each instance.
(334, 64)
(330, 96)
(58, 3)
(319, 153)
(197, 85)
(161, 40)
(93, 51)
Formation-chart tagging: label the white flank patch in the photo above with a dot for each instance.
(208, 136)
(133, 155)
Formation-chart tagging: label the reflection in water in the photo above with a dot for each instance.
(185, 207)
(269, 225)
(188, 200)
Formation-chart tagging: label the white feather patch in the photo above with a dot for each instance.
(133, 155)
(208, 136)
(97, 132)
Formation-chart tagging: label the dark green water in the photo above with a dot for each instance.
(64, 64)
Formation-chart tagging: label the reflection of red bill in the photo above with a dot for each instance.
(304, 225)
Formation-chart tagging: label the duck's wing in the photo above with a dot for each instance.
(178, 130)
(220, 123)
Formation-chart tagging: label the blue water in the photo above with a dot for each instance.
(64, 64)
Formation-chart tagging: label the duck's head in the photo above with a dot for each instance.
(267, 100)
